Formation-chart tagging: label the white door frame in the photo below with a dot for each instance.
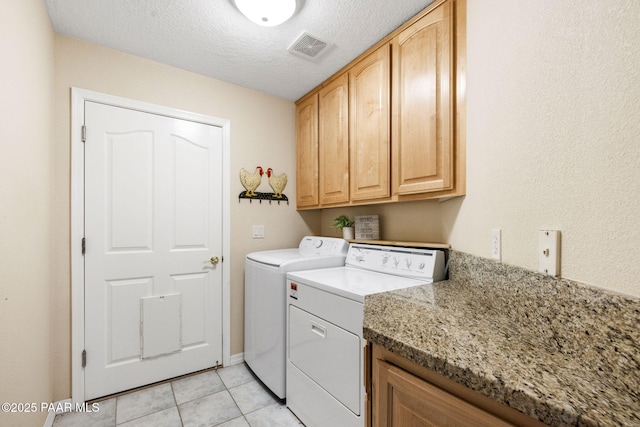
(78, 98)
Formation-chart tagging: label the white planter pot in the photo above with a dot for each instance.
(348, 233)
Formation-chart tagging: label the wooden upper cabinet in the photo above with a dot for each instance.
(369, 125)
(333, 133)
(423, 100)
(307, 152)
(390, 126)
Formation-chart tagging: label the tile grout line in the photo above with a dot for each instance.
(236, 403)
(173, 393)
(232, 379)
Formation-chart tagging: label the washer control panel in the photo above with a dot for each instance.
(400, 261)
(323, 245)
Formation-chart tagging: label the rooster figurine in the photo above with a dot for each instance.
(277, 182)
(251, 181)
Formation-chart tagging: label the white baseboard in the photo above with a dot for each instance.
(236, 359)
(51, 417)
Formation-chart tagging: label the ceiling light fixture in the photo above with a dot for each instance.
(268, 13)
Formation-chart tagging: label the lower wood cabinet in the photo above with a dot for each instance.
(404, 399)
(405, 394)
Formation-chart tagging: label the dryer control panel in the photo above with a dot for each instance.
(400, 261)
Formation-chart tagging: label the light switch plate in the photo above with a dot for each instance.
(257, 232)
(549, 252)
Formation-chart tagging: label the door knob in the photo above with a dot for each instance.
(214, 260)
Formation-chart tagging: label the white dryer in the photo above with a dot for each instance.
(265, 302)
(325, 357)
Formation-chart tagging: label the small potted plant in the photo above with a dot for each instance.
(346, 225)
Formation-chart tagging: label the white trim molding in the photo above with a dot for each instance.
(236, 359)
(66, 406)
(78, 99)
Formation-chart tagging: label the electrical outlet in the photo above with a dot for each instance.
(496, 244)
(257, 232)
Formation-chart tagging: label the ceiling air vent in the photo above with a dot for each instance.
(309, 47)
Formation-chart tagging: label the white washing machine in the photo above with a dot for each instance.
(265, 302)
(325, 357)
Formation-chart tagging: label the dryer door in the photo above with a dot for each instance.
(329, 355)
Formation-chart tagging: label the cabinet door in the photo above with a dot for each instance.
(334, 141)
(307, 152)
(369, 125)
(402, 399)
(423, 102)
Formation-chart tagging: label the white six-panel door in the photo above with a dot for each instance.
(153, 221)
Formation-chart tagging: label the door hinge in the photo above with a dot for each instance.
(84, 358)
(84, 133)
(84, 245)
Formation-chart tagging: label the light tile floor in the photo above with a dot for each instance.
(228, 397)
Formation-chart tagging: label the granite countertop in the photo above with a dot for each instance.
(562, 352)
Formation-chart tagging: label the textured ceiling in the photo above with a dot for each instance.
(211, 37)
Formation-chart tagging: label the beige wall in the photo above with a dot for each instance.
(553, 140)
(26, 84)
(554, 136)
(262, 133)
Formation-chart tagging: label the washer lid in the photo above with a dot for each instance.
(276, 257)
(353, 283)
(310, 248)
(293, 259)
